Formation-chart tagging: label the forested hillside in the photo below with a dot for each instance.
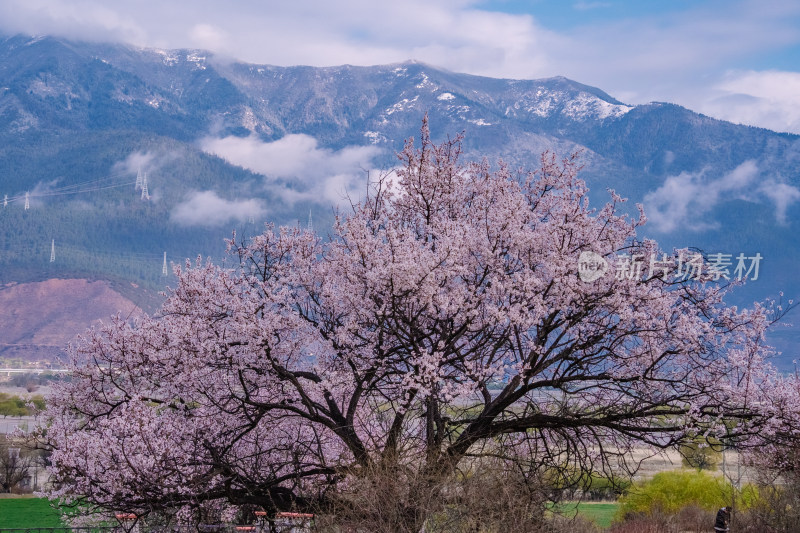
(231, 146)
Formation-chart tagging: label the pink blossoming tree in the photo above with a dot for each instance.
(443, 320)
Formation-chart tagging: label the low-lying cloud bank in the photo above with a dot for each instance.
(687, 199)
(296, 168)
(205, 208)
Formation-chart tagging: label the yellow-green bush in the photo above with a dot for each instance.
(669, 492)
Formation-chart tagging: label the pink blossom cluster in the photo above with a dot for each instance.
(444, 319)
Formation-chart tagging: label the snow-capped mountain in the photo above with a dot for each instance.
(243, 143)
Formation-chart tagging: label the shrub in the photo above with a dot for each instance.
(669, 492)
(492, 497)
(568, 485)
(606, 488)
(776, 507)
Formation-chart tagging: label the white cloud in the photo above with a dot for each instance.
(149, 163)
(208, 37)
(769, 99)
(782, 195)
(685, 200)
(451, 33)
(205, 208)
(669, 206)
(295, 166)
(88, 19)
(146, 161)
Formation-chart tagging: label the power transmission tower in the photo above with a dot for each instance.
(27, 202)
(310, 221)
(139, 180)
(164, 266)
(53, 251)
(145, 194)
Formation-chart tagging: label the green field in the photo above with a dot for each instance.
(19, 512)
(600, 513)
(27, 512)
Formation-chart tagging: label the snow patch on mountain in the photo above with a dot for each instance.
(249, 119)
(52, 88)
(426, 82)
(543, 107)
(168, 57)
(586, 106)
(197, 59)
(34, 40)
(23, 121)
(580, 107)
(402, 105)
(375, 138)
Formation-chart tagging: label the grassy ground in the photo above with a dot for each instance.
(27, 512)
(19, 512)
(600, 513)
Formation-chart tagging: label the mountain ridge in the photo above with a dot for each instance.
(255, 143)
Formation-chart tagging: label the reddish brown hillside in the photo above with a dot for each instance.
(37, 320)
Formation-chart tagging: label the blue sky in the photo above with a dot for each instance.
(737, 60)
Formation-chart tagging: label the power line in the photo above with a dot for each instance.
(112, 181)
